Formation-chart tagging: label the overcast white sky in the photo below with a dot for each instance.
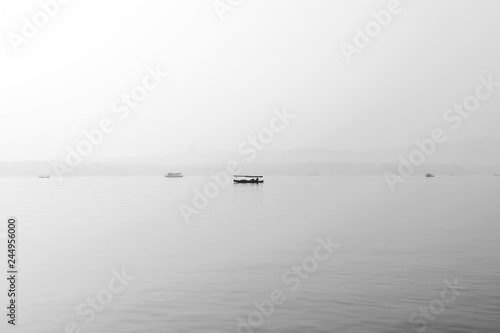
(227, 76)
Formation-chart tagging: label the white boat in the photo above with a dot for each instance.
(174, 175)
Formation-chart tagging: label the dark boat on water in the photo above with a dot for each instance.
(239, 179)
(429, 175)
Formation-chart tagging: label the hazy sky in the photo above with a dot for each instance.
(228, 76)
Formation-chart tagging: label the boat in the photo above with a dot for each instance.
(429, 175)
(174, 175)
(240, 179)
(44, 176)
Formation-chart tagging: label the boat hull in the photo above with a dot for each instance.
(243, 181)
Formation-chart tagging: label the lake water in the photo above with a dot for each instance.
(396, 249)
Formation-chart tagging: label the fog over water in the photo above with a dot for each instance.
(249, 166)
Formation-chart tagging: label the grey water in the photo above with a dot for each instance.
(396, 250)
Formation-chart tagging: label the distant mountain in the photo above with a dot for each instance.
(471, 157)
(475, 152)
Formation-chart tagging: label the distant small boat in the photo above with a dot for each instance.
(239, 179)
(44, 176)
(429, 175)
(174, 175)
(497, 175)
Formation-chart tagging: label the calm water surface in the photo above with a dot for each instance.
(396, 251)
